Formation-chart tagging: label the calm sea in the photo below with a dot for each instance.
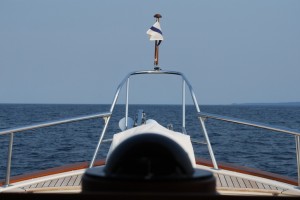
(71, 143)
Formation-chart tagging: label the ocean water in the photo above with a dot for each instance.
(70, 143)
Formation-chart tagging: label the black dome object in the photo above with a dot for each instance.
(149, 156)
(148, 164)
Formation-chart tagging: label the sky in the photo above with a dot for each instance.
(71, 51)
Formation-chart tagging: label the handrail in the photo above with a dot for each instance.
(296, 133)
(41, 125)
(185, 81)
(52, 123)
(161, 72)
(107, 117)
(250, 123)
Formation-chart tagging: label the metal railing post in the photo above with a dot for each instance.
(99, 142)
(296, 133)
(9, 155)
(183, 106)
(127, 99)
(210, 150)
(298, 157)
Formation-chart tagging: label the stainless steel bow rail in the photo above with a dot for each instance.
(156, 72)
(296, 133)
(106, 116)
(11, 132)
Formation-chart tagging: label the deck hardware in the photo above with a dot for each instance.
(170, 127)
(204, 119)
(105, 119)
(140, 118)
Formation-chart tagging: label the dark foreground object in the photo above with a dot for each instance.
(148, 163)
(128, 195)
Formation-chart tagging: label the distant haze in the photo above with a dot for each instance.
(71, 51)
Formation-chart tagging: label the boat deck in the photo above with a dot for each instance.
(223, 182)
(68, 181)
(227, 182)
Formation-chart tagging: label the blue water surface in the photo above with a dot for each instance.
(70, 143)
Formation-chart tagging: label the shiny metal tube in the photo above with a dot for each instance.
(192, 93)
(183, 104)
(250, 123)
(52, 123)
(298, 157)
(210, 150)
(194, 100)
(112, 107)
(127, 99)
(263, 126)
(157, 72)
(163, 72)
(108, 115)
(9, 155)
(99, 142)
(41, 125)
